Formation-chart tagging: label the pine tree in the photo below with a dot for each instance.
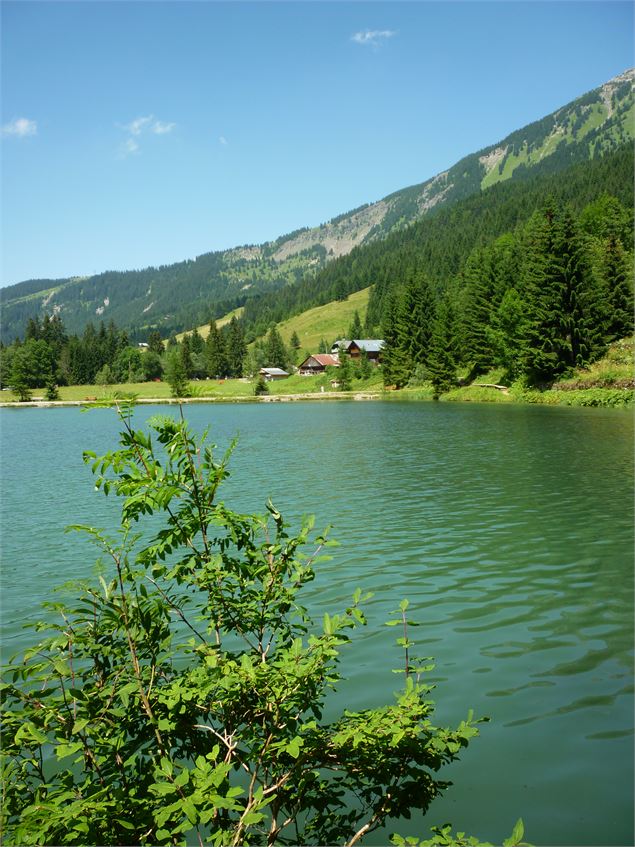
(236, 348)
(442, 360)
(185, 354)
(508, 333)
(365, 367)
(479, 303)
(396, 363)
(176, 375)
(618, 287)
(344, 372)
(276, 353)
(356, 329)
(295, 341)
(215, 353)
(196, 342)
(155, 344)
(563, 326)
(416, 320)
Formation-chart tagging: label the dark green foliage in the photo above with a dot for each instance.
(215, 352)
(356, 330)
(236, 348)
(196, 342)
(176, 375)
(443, 349)
(365, 367)
(152, 365)
(396, 365)
(617, 288)
(179, 699)
(128, 366)
(52, 392)
(185, 352)
(261, 386)
(295, 341)
(563, 304)
(276, 354)
(508, 333)
(323, 347)
(155, 344)
(344, 372)
(32, 365)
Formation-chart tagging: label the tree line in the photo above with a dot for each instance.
(535, 302)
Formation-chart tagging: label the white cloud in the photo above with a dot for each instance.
(128, 147)
(138, 127)
(222, 140)
(373, 37)
(161, 128)
(20, 127)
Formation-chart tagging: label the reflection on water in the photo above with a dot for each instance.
(510, 530)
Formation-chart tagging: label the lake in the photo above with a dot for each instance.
(509, 529)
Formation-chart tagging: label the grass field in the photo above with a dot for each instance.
(330, 321)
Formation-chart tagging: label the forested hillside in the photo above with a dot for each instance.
(175, 297)
(439, 245)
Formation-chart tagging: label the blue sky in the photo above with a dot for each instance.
(138, 134)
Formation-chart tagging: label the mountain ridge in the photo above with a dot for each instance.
(184, 294)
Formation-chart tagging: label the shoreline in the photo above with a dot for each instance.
(580, 397)
(172, 401)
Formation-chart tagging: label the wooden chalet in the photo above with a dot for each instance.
(317, 364)
(354, 347)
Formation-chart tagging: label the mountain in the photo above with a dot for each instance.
(185, 294)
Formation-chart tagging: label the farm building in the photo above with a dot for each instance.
(354, 347)
(273, 373)
(317, 364)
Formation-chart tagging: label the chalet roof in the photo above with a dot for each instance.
(370, 345)
(324, 359)
(273, 371)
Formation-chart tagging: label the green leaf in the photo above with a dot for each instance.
(62, 751)
(517, 834)
(293, 747)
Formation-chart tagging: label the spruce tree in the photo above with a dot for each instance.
(563, 326)
(395, 360)
(276, 353)
(618, 287)
(356, 329)
(215, 353)
(442, 360)
(344, 372)
(477, 311)
(185, 353)
(196, 342)
(236, 348)
(155, 344)
(416, 318)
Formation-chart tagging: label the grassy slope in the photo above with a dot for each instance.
(204, 329)
(330, 321)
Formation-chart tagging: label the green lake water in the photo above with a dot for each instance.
(509, 529)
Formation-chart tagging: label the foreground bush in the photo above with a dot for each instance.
(180, 698)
